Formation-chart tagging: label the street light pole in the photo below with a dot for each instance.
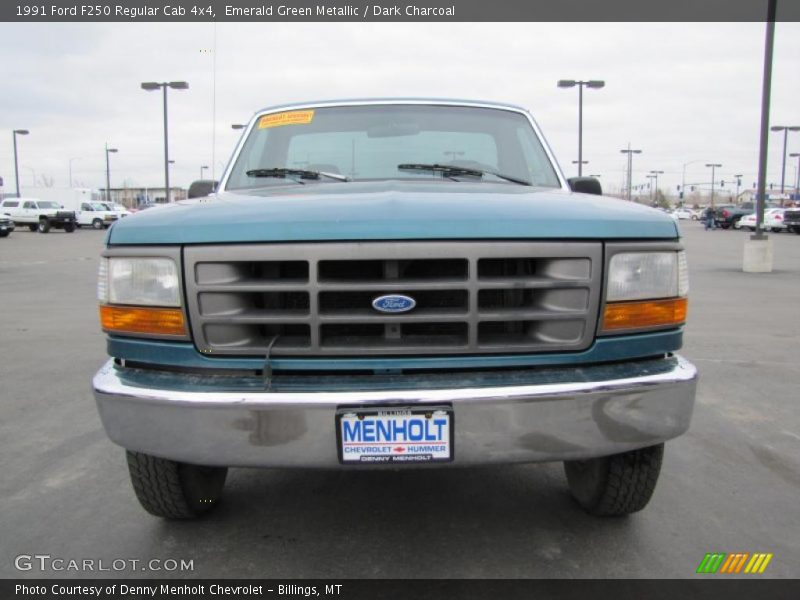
(738, 185)
(657, 173)
(594, 84)
(651, 178)
(683, 177)
(152, 86)
(630, 154)
(16, 165)
(713, 166)
(108, 173)
(796, 176)
(785, 131)
(70, 168)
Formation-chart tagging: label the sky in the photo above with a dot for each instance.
(684, 93)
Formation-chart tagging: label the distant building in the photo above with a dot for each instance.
(134, 197)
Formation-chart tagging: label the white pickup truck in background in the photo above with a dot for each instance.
(39, 214)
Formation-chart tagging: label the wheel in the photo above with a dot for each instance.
(97, 224)
(775, 230)
(796, 230)
(615, 485)
(725, 225)
(33, 227)
(4, 233)
(69, 227)
(44, 226)
(174, 490)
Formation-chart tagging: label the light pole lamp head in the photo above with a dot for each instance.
(713, 165)
(595, 83)
(151, 86)
(793, 154)
(237, 126)
(178, 85)
(21, 131)
(567, 83)
(111, 150)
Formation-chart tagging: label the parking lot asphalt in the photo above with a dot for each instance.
(731, 484)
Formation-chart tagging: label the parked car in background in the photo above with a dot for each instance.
(773, 220)
(791, 219)
(6, 225)
(38, 214)
(681, 214)
(117, 209)
(728, 214)
(96, 215)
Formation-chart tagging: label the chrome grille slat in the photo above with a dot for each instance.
(492, 297)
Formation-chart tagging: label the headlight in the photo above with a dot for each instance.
(140, 296)
(140, 281)
(645, 290)
(642, 275)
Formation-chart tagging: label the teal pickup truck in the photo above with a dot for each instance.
(390, 284)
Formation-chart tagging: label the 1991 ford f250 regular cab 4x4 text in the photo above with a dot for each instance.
(394, 283)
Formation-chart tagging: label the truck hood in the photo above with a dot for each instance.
(392, 210)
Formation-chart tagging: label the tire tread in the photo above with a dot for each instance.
(157, 485)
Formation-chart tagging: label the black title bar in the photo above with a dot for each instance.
(400, 589)
(394, 10)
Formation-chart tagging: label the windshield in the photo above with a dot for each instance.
(371, 142)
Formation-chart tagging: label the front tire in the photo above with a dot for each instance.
(174, 490)
(97, 224)
(44, 226)
(616, 485)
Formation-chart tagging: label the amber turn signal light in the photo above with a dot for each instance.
(642, 314)
(130, 319)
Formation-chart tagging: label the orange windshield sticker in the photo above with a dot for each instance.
(296, 117)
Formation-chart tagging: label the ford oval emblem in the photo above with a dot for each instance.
(393, 303)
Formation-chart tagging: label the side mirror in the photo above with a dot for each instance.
(585, 185)
(202, 188)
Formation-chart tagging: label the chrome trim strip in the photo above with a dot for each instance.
(108, 382)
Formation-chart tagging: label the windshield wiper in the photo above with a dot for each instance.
(301, 173)
(450, 170)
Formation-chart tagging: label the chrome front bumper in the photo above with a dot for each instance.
(536, 415)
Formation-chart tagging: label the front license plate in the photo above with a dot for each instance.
(395, 435)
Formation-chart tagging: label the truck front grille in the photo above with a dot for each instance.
(316, 299)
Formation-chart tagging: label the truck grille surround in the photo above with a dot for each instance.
(316, 299)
